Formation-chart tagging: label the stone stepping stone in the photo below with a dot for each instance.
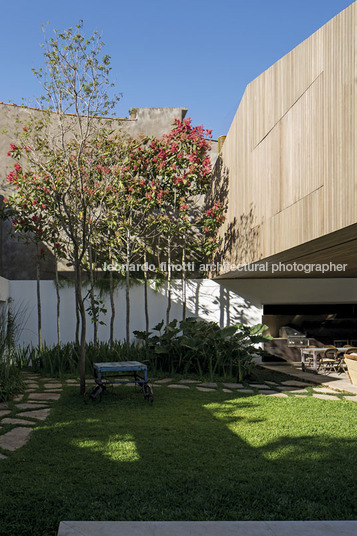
(296, 383)
(324, 390)
(189, 381)
(44, 396)
(259, 386)
(280, 395)
(30, 390)
(325, 397)
(72, 381)
(285, 388)
(233, 385)
(208, 384)
(35, 403)
(2, 457)
(10, 420)
(272, 383)
(16, 438)
(30, 383)
(351, 398)
(40, 414)
(4, 412)
(227, 391)
(206, 389)
(53, 386)
(50, 380)
(165, 380)
(298, 391)
(269, 392)
(300, 396)
(18, 398)
(175, 386)
(31, 406)
(250, 391)
(130, 384)
(4, 405)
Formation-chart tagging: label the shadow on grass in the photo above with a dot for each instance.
(187, 457)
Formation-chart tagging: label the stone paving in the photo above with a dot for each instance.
(26, 411)
(284, 389)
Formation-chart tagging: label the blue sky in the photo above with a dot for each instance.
(199, 54)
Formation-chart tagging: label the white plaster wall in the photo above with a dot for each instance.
(206, 299)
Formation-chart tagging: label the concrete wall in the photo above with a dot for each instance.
(4, 289)
(206, 299)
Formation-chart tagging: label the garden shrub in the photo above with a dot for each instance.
(11, 382)
(200, 347)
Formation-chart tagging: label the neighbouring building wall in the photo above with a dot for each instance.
(4, 289)
(288, 164)
(206, 300)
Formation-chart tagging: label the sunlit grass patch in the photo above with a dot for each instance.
(117, 448)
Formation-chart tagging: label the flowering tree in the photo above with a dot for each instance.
(61, 150)
(180, 168)
(166, 180)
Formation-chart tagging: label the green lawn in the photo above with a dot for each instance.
(190, 456)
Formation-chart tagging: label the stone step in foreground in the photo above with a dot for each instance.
(207, 528)
(16, 438)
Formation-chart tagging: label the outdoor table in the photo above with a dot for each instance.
(314, 352)
(115, 372)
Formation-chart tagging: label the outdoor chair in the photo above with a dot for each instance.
(329, 361)
(351, 350)
(309, 358)
(342, 367)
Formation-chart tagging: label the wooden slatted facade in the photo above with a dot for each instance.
(289, 158)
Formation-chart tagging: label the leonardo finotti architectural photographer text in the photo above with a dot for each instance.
(274, 268)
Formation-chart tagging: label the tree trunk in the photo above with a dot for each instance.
(58, 309)
(95, 312)
(78, 321)
(82, 313)
(112, 305)
(39, 313)
(127, 288)
(168, 282)
(146, 301)
(183, 283)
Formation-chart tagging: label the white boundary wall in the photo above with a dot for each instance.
(206, 299)
(225, 302)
